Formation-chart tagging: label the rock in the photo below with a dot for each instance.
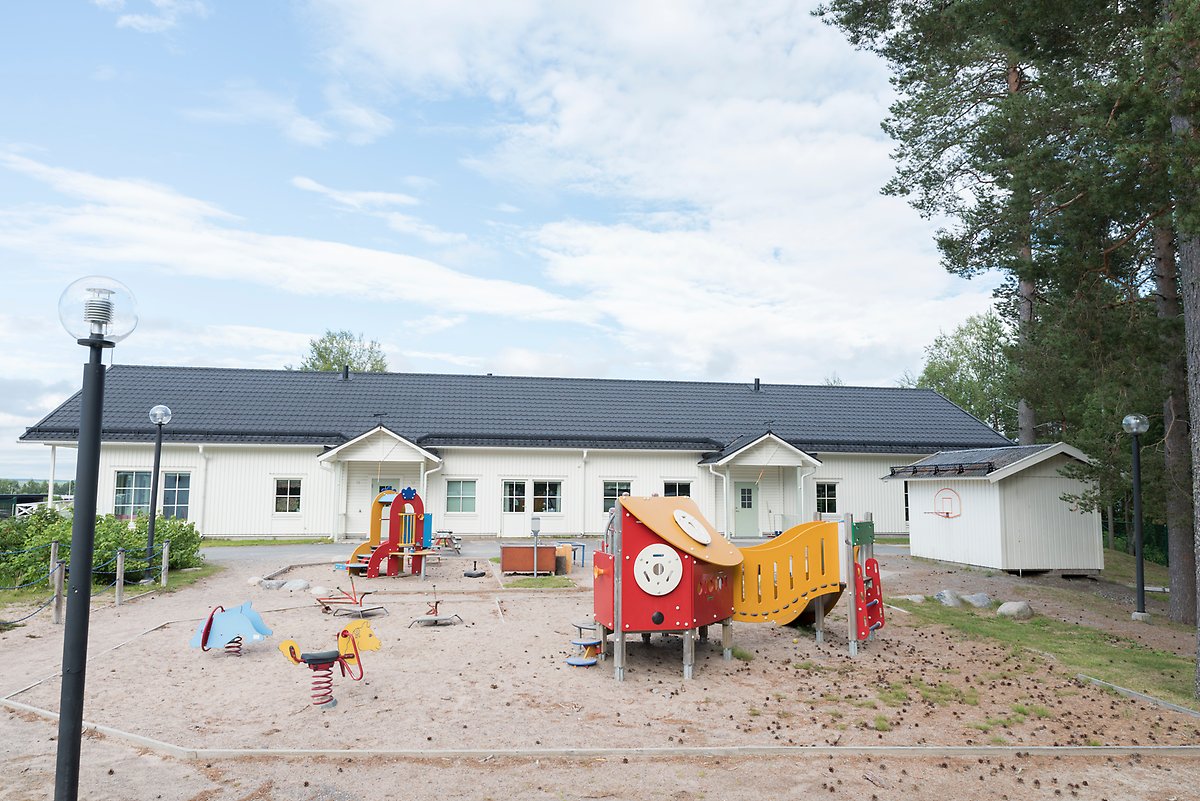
(320, 592)
(255, 581)
(295, 584)
(271, 584)
(1017, 610)
(949, 598)
(979, 600)
(916, 599)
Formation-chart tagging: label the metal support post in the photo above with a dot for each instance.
(120, 585)
(166, 562)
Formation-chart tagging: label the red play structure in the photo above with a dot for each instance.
(406, 537)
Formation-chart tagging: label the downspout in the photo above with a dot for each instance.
(800, 476)
(333, 523)
(425, 474)
(583, 507)
(725, 502)
(203, 488)
(50, 487)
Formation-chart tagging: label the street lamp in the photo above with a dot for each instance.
(535, 524)
(1136, 425)
(160, 415)
(99, 312)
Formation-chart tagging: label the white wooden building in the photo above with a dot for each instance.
(1001, 508)
(282, 453)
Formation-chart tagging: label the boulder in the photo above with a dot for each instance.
(255, 581)
(949, 598)
(979, 600)
(319, 591)
(271, 584)
(1017, 610)
(295, 584)
(916, 599)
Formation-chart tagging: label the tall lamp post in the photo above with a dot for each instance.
(98, 312)
(160, 415)
(1136, 425)
(535, 525)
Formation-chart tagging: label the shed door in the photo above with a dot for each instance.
(745, 509)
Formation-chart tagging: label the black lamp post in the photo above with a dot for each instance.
(98, 312)
(1136, 425)
(160, 415)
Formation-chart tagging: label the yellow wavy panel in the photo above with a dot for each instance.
(778, 578)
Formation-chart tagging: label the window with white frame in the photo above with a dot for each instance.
(287, 495)
(677, 489)
(547, 496)
(746, 498)
(614, 490)
(132, 496)
(177, 491)
(460, 496)
(826, 499)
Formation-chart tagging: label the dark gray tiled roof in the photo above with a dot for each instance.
(277, 406)
(969, 463)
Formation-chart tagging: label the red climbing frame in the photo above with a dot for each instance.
(868, 591)
(401, 542)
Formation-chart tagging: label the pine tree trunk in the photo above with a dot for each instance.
(1181, 537)
(1026, 419)
(1189, 282)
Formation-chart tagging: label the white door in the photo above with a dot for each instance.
(514, 514)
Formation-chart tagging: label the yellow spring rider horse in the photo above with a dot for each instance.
(355, 637)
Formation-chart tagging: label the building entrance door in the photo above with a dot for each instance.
(514, 513)
(745, 509)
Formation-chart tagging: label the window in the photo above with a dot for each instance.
(677, 489)
(460, 496)
(746, 499)
(614, 490)
(177, 490)
(827, 499)
(514, 496)
(905, 501)
(547, 496)
(132, 496)
(287, 495)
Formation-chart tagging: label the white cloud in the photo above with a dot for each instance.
(508, 208)
(136, 223)
(164, 15)
(243, 104)
(362, 125)
(355, 199)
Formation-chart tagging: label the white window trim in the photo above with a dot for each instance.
(446, 496)
(562, 494)
(275, 496)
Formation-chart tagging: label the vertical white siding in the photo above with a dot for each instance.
(233, 487)
(582, 484)
(362, 483)
(861, 488)
(973, 538)
(1042, 531)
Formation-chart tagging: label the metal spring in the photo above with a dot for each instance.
(234, 647)
(322, 684)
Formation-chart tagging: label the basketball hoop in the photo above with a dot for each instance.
(942, 514)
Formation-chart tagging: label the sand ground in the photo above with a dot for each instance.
(488, 709)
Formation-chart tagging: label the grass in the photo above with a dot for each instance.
(1077, 648)
(742, 654)
(541, 583)
(218, 542)
(891, 540)
(882, 723)
(1120, 567)
(894, 695)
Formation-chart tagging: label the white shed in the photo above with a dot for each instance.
(1001, 508)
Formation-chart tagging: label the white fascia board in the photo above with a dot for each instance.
(812, 461)
(329, 454)
(1036, 458)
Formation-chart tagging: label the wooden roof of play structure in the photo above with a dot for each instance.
(658, 514)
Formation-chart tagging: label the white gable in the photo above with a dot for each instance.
(378, 445)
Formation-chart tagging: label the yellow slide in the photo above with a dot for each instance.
(779, 579)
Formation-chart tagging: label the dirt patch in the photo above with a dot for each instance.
(498, 684)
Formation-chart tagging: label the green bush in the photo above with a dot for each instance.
(111, 533)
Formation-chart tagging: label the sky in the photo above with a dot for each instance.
(667, 190)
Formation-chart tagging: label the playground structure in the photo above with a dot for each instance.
(664, 568)
(357, 636)
(407, 537)
(228, 629)
(434, 616)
